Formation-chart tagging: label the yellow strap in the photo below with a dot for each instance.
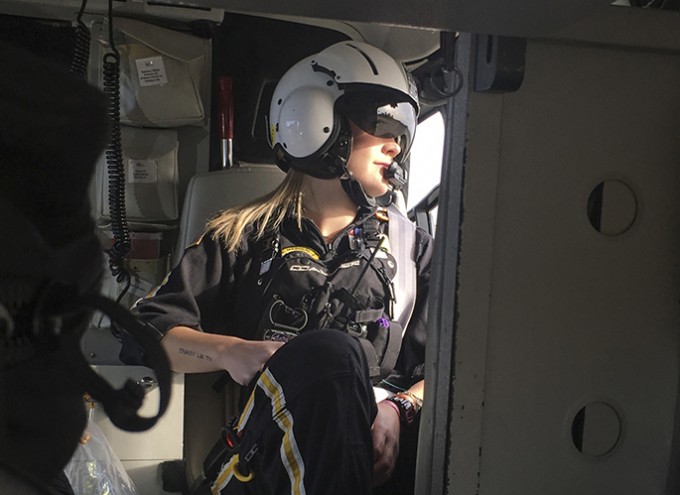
(237, 474)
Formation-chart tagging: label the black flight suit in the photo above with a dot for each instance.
(306, 426)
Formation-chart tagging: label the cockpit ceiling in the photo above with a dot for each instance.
(526, 18)
(407, 29)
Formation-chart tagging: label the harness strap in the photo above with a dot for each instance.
(392, 350)
(371, 358)
(402, 235)
(402, 241)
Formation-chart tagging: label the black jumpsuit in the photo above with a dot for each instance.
(306, 426)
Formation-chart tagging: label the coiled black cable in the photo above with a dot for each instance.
(114, 165)
(81, 49)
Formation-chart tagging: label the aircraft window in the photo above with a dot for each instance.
(425, 171)
(426, 159)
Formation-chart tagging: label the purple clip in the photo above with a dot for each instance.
(383, 322)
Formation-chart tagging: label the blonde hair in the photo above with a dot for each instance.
(267, 212)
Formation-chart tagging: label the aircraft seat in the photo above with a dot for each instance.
(205, 409)
(211, 192)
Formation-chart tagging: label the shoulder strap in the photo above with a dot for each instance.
(269, 248)
(402, 235)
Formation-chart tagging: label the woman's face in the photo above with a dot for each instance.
(369, 160)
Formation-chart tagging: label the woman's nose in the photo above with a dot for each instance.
(391, 148)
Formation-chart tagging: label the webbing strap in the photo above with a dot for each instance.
(402, 235)
(393, 347)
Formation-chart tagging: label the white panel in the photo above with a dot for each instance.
(553, 314)
(164, 440)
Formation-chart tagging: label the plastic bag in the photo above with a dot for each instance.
(95, 469)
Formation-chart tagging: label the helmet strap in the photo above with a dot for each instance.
(355, 190)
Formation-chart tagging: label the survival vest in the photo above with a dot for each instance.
(368, 292)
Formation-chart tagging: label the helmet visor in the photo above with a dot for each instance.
(382, 115)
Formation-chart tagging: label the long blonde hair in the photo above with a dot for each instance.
(267, 212)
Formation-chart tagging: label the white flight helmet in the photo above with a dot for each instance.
(313, 101)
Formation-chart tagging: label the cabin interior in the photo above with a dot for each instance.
(553, 359)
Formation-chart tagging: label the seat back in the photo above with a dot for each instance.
(205, 409)
(212, 192)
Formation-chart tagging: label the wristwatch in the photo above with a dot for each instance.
(407, 411)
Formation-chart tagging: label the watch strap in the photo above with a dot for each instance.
(407, 411)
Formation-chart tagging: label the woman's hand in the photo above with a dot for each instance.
(243, 359)
(385, 433)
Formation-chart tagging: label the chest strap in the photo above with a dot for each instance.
(402, 235)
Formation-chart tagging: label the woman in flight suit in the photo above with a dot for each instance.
(326, 408)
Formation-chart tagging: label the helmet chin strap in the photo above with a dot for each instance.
(355, 190)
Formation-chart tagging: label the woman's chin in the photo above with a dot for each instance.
(376, 192)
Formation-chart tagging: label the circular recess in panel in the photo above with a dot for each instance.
(596, 429)
(612, 207)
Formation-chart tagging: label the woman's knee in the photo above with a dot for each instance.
(325, 352)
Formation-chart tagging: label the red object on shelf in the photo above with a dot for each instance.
(226, 120)
(225, 101)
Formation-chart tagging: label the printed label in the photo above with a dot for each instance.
(151, 71)
(142, 171)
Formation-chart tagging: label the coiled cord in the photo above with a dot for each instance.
(115, 167)
(81, 49)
